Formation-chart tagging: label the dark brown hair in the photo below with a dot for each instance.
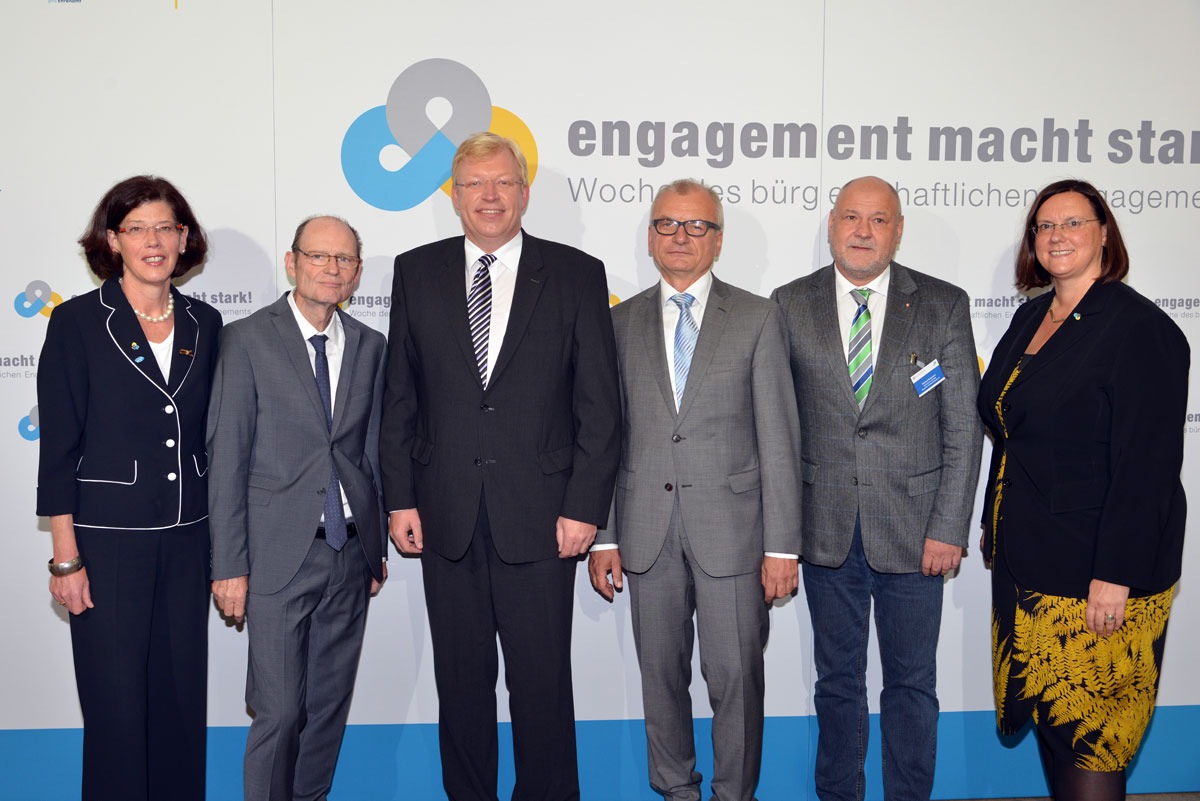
(1114, 258)
(124, 198)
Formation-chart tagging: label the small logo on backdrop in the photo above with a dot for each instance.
(38, 298)
(423, 135)
(30, 426)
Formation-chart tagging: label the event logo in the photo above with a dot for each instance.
(38, 298)
(405, 125)
(30, 425)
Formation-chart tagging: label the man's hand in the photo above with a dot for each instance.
(600, 565)
(1106, 607)
(940, 558)
(376, 584)
(231, 597)
(780, 577)
(574, 537)
(404, 527)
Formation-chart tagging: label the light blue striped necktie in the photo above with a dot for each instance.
(686, 332)
(859, 353)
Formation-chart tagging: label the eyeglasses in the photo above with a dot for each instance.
(500, 184)
(1073, 224)
(322, 259)
(164, 230)
(667, 227)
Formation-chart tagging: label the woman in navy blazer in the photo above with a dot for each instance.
(123, 387)
(1085, 400)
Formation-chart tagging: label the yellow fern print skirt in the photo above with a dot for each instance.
(1091, 696)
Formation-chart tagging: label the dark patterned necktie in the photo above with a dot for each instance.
(335, 515)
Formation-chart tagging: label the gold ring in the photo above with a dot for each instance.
(62, 603)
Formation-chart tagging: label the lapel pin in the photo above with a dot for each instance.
(139, 360)
(134, 346)
(185, 352)
(1077, 316)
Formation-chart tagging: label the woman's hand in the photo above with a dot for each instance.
(1106, 607)
(73, 591)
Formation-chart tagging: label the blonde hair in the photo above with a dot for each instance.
(485, 144)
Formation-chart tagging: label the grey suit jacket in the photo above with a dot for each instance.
(270, 451)
(731, 454)
(907, 465)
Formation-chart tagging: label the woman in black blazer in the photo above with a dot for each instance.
(123, 386)
(1085, 401)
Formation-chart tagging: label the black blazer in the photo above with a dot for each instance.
(543, 438)
(1095, 446)
(121, 447)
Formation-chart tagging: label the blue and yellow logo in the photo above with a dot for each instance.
(405, 123)
(38, 298)
(30, 427)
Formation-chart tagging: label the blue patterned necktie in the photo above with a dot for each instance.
(859, 354)
(686, 332)
(335, 515)
(479, 313)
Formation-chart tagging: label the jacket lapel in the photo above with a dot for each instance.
(531, 278)
(648, 327)
(351, 335)
(127, 335)
(293, 344)
(711, 329)
(1070, 333)
(452, 295)
(187, 338)
(901, 309)
(828, 328)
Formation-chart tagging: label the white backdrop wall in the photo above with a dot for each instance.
(246, 105)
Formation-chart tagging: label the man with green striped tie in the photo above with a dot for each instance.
(884, 365)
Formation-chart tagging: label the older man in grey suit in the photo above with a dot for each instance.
(707, 498)
(885, 370)
(295, 512)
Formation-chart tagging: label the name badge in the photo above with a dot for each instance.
(927, 378)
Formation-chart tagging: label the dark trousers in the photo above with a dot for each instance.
(470, 602)
(141, 663)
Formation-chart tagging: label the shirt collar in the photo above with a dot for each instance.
(878, 285)
(307, 329)
(698, 290)
(507, 255)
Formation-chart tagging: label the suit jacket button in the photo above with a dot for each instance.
(169, 409)
(171, 476)
(862, 433)
(676, 438)
(478, 462)
(483, 407)
(170, 443)
(668, 487)
(854, 480)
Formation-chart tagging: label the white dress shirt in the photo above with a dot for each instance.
(503, 273)
(876, 303)
(335, 346)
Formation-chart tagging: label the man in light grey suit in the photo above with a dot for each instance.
(298, 541)
(707, 498)
(885, 370)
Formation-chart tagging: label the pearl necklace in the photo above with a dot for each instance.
(162, 318)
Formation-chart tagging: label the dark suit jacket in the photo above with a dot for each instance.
(122, 447)
(1095, 446)
(731, 453)
(272, 451)
(908, 466)
(543, 439)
